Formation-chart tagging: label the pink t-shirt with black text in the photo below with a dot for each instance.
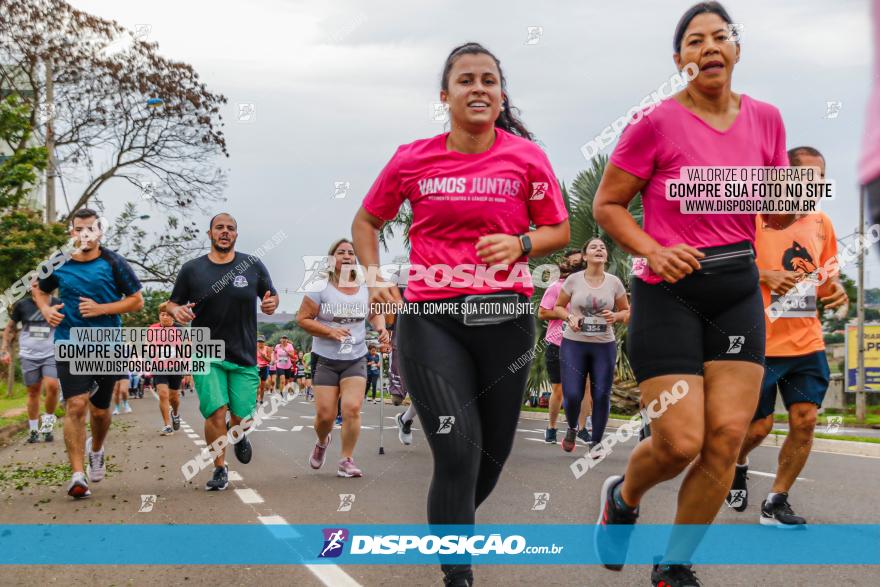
(548, 302)
(457, 198)
(671, 137)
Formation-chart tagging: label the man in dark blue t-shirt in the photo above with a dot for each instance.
(95, 286)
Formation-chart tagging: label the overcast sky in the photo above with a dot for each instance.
(337, 86)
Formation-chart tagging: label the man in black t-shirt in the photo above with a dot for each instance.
(219, 291)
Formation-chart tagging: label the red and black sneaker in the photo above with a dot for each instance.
(674, 576)
(614, 527)
(569, 441)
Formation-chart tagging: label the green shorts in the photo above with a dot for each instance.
(227, 384)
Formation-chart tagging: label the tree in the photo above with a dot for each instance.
(157, 259)
(26, 240)
(121, 110)
(149, 314)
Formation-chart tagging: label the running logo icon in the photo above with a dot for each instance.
(833, 424)
(735, 497)
(316, 273)
(340, 189)
(239, 281)
(541, 501)
(334, 540)
(539, 190)
(446, 423)
(147, 503)
(346, 500)
(736, 344)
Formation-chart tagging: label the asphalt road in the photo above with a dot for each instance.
(279, 486)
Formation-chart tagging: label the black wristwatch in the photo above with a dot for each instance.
(526, 244)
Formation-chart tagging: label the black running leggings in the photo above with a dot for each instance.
(472, 374)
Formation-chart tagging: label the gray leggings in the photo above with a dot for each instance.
(330, 372)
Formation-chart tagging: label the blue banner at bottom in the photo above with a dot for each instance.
(493, 544)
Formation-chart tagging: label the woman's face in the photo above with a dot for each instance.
(344, 255)
(165, 319)
(474, 96)
(596, 252)
(708, 43)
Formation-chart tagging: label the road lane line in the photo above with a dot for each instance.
(234, 476)
(296, 428)
(772, 475)
(192, 435)
(248, 496)
(200, 443)
(332, 576)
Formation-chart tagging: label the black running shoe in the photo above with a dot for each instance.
(459, 579)
(585, 434)
(243, 450)
(674, 576)
(550, 435)
(612, 540)
(175, 421)
(220, 479)
(34, 437)
(738, 496)
(779, 513)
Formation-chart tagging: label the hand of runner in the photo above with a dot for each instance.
(574, 323)
(780, 281)
(268, 304)
(610, 317)
(89, 308)
(673, 263)
(384, 292)
(499, 249)
(184, 314)
(340, 334)
(837, 298)
(53, 316)
(384, 337)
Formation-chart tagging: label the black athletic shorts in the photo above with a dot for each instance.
(551, 356)
(172, 381)
(714, 314)
(264, 372)
(283, 372)
(99, 387)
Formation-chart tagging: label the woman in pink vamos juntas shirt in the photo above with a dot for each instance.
(474, 191)
(697, 325)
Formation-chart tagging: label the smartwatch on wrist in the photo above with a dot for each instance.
(526, 244)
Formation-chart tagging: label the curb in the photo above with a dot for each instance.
(10, 430)
(842, 447)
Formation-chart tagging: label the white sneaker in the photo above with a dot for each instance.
(96, 468)
(127, 409)
(166, 431)
(115, 411)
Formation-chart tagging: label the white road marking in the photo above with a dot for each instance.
(192, 436)
(234, 476)
(332, 576)
(200, 443)
(279, 527)
(771, 475)
(248, 496)
(296, 428)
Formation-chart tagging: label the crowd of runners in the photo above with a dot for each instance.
(695, 312)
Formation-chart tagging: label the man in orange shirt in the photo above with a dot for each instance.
(791, 248)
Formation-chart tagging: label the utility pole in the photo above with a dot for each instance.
(861, 399)
(51, 214)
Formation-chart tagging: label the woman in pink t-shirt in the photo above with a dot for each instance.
(475, 192)
(697, 324)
